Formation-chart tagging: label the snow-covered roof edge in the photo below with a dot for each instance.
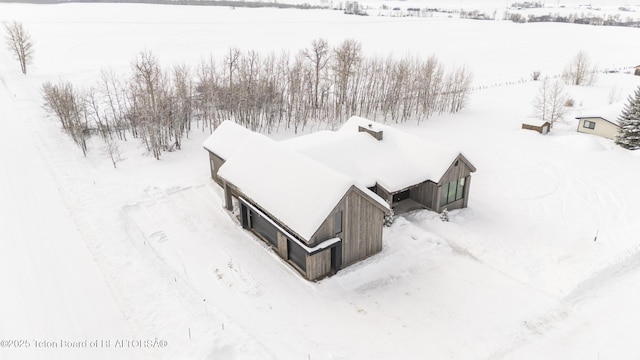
(612, 122)
(438, 166)
(609, 113)
(535, 122)
(296, 190)
(310, 250)
(373, 196)
(226, 138)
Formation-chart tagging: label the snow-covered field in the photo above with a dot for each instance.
(144, 261)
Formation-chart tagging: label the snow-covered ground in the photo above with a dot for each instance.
(146, 252)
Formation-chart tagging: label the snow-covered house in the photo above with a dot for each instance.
(320, 200)
(602, 122)
(404, 170)
(316, 218)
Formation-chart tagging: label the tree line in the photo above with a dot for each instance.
(318, 85)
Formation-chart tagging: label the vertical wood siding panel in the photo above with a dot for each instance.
(363, 236)
(217, 163)
(319, 265)
(282, 246)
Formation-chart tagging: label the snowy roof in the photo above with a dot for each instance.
(535, 122)
(226, 139)
(609, 112)
(297, 190)
(396, 162)
(310, 250)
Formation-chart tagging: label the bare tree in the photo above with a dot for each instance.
(318, 55)
(549, 105)
(535, 75)
(114, 94)
(69, 106)
(182, 103)
(319, 86)
(232, 60)
(112, 150)
(207, 99)
(580, 70)
(347, 57)
(19, 41)
(150, 106)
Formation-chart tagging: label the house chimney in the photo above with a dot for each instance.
(376, 133)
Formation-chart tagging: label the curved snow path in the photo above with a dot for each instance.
(51, 286)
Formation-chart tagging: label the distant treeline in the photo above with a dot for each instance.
(584, 19)
(608, 20)
(249, 4)
(319, 85)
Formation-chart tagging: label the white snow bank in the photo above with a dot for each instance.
(584, 142)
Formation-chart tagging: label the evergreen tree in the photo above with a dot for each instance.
(629, 135)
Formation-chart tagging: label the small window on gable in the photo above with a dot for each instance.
(338, 223)
(589, 124)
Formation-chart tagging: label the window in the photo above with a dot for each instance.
(451, 196)
(452, 191)
(297, 255)
(401, 196)
(460, 189)
(263, 227)
(589, 124)
(338, 223)
(444, 190)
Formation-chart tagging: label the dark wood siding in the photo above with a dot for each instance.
(326, 230)
(458, 170)
(215, 163)
(282, 245)
(539, 129)
(425, 194)
(319, 265)
(363, 222)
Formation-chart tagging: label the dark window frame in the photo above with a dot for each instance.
(263, 227)
(460, 188)
(297, 255)
(452, 191)
(588, 124)
(338, 222)
(402, 195)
